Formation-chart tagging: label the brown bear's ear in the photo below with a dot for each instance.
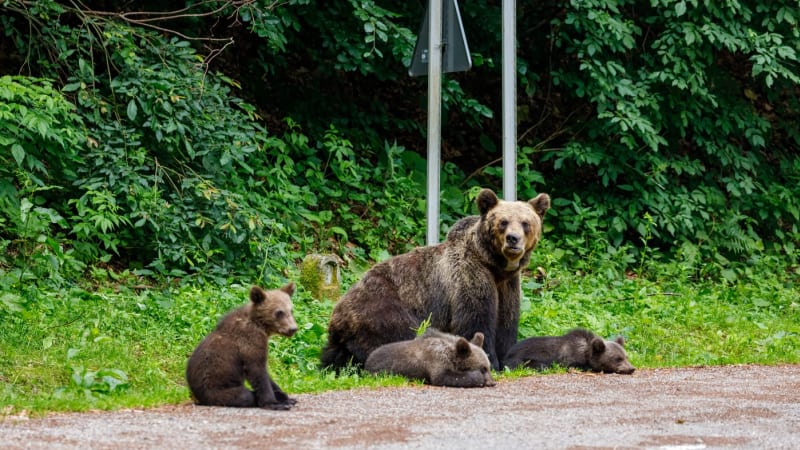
(257, 295)
(463, 349)
(598, 345)
(620, 340)
(477, 339)
(540, 204)
(289, 288)
(486, 200)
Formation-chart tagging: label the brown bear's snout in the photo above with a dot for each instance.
(290, 331)
(512, 239)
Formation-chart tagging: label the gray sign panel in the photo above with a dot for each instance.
(455, 51)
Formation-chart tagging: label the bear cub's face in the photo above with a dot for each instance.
(515, 227)
(610, 357)
(470, 356)
(272, 310)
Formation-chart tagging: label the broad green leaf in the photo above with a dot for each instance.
(729, 275)
(132, 109)
(680, 8)
(71, 87)
(19, 153)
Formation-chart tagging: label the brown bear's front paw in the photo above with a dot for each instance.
(278, 406)
(281, 397)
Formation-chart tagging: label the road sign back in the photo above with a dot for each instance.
(455, 54)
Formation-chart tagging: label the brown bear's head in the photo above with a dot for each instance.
(272, 310)
(512, 229)
(469, 356)
(610, 357)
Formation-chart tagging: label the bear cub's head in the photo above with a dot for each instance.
(272, 310)
(514, 228)
(609, 356)
(469, 356)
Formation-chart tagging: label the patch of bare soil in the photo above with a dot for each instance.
(726, 407)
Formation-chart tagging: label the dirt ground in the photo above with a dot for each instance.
(730, 407)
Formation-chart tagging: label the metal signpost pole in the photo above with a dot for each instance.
(434, 118)
(509, 100)
(441, 47)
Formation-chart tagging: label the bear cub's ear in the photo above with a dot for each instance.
(289, 288)
(598, 345)
(477, 339)
(620, 340)
(257, 295)
(463, 349)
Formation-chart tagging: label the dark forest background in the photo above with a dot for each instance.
(209, 138)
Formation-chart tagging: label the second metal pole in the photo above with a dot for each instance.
(434, 118)
(509, 100)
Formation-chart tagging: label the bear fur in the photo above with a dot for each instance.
(468, 284)
(237, 351)
(440, 359)
(579, 348)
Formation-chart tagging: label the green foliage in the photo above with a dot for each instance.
(358, 40)
(176, 175)
(424, 326)
(91, 382)
(40, 135)
(174, 155)
(155, 161)
(658, 78)
(632, 94)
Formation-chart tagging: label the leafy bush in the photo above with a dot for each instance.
(40, 138)
(178, 176)
(683, 129)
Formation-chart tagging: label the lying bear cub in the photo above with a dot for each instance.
(237, 351)
(579, 348)
(440, 359)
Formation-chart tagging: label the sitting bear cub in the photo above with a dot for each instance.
(440, 359)
(579, 348)
(237, 351)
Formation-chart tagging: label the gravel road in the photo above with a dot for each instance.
(729, 407)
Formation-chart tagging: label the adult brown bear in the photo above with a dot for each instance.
(467, 284)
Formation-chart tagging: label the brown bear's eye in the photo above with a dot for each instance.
(526, 226)
(279, 314)
(503, 223)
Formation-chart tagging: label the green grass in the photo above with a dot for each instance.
(110, 346)
(669, 324)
